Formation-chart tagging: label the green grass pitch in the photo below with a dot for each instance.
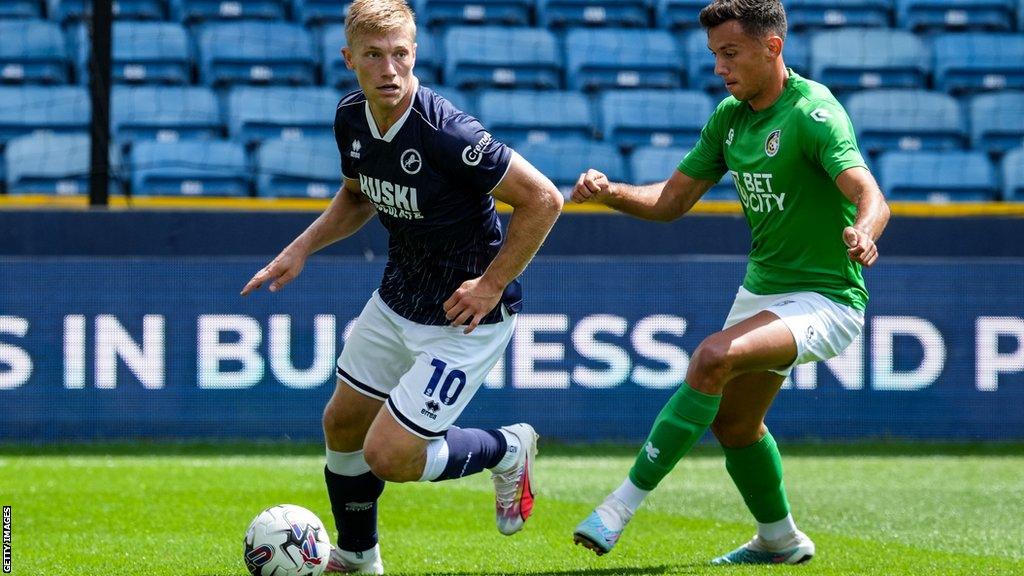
(181, 511)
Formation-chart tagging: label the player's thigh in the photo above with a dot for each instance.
(448, 371)
(745, 402)
(375, 354)
(760, 342)
(347, 418)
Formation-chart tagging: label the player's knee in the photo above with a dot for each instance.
(736, 433)
(387, 464)
(710, 365)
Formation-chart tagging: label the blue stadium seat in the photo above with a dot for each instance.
(490, 56)
(557, 13)
(64, 10)
(32, 51)
(21, 9)
(536, 116)
(1013, 175)
(143, 52)
(256, 53)
(25, 109)
(457, 98)
(201, 10)
(820, 13)
(564, 160)
(622, 58)
(908, 120)
(651, 164)
(678, 14)
(316, 12)
(976, 61)
(938, 176)
(428, 66)
(631, 118)
(167, 114)
(255, 114)
(700, 62)
(997, 121)
(46, 163)
(869, 58)
(298, 169)
(193, 168)
(492, 12)
(1020, 16)
(921, 15)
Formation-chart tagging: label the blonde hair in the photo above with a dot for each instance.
(378, 17)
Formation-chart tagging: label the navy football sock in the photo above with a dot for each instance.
(470, 450)
(354, 504)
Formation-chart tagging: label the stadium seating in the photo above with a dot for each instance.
(317, 12)
(564, 160)
(535, 116)
(257, 53)
(869, 58)
(491, 12)
(678, 14)
(255, 114)
(32, 51)
(195, 167)
(1013, 175)
(921, 15)
(650, 164)
(299, 169)
(908, 120)
(938, 176)
(997, 121)
(851, 13)
(25, 109)
(167, 114)
(622, 58)
(46, 163)
(21, 9)
(143, 52)
(66, 10)
(700, 62)
(490, 56)
(975, 61)
(457, 98)
(190, 11)
(631, 118)
(338, 76)
(558, 13)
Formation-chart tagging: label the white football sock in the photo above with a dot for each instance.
(511, 453)
(774, 531)
(347, 463)
(437, 459)
(630, 495)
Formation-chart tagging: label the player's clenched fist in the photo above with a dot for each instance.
(861, 247)
(589, 186)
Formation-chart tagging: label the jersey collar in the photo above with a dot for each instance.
(375, 132)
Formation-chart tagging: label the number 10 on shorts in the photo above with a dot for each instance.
(452, 386)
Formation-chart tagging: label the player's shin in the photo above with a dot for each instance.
(679, 425)
(462, 452)
(353, 491)
(757, 472)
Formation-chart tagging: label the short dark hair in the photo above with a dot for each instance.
(757, 17)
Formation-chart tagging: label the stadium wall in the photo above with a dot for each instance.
(122, 340)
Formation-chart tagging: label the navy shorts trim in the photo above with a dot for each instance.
(412, 426)
(365, 389)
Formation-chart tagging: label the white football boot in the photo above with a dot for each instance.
(513, 488)
(345, 562)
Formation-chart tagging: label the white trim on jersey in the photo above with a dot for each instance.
(507, 168)
(375, 132)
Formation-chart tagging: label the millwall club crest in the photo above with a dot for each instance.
(411, 161)
(771, 145)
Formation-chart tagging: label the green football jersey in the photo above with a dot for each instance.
(784, 161)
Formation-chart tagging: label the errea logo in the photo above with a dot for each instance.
(356, 147)
(472, 155)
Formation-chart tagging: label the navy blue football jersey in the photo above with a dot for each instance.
(430, 177)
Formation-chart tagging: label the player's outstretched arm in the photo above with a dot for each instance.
(663, 201)
(348, 211)
(536, 204)
(860, 187)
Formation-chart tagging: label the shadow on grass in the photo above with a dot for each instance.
(580, 572)
(880, 448)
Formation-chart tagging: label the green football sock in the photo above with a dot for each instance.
(757, 472)
(679, 425)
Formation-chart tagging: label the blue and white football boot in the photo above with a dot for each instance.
(794, 549)
(600, 531)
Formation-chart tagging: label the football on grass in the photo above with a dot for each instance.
(286, 540)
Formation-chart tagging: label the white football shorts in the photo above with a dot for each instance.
(821, 327)
(425, 374)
